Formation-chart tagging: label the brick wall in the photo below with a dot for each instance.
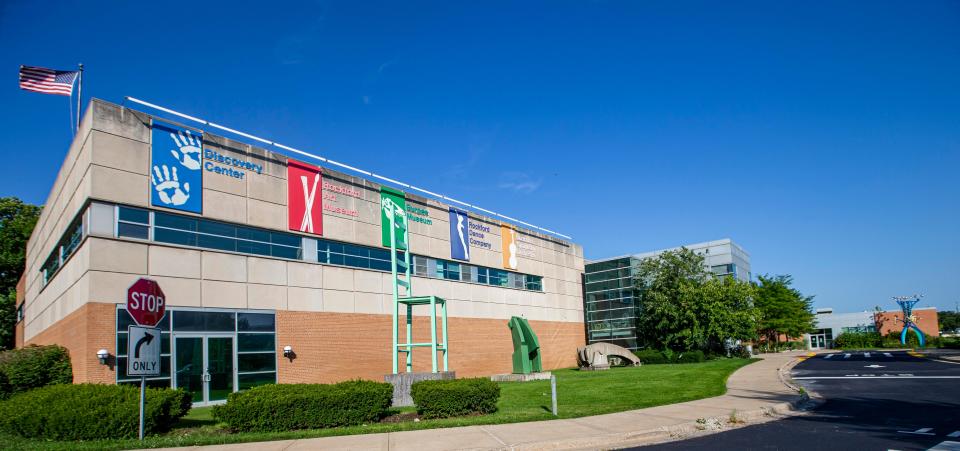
(84, 332)
(892, 321)
(332, 347)
(21, 295)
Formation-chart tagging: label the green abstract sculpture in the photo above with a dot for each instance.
(526, 347)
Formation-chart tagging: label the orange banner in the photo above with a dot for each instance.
(508, 237)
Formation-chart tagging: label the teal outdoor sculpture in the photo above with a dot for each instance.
(526, 347)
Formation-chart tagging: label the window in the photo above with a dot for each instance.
(133, 223)
(254, 335)
(534, 283)
(209, 234)
(64, 249)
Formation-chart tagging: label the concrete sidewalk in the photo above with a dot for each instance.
(755, 393)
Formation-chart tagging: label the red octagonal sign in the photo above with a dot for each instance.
(146, 302)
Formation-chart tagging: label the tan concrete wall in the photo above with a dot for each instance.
(332, 347)
(109, 161)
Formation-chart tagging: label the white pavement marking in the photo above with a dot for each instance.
(887, 354)
(873, 376)
(866, 354)
(954, 434)
(946, 446)
(921, 431)
(829, 355)
(874, 366)
(846, 356)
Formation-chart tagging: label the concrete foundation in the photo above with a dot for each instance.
(403, 381)
(521, 377)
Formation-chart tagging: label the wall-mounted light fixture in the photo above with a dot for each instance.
(103, 356)
(288, 351)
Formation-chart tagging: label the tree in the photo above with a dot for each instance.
(17, 220)
(782, 309)
(949, 321)
(683, 307)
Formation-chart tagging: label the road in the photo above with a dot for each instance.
(874, 401)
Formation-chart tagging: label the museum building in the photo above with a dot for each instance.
(274, 270)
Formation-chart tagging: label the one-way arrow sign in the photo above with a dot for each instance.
(147, 338)
(143, 351)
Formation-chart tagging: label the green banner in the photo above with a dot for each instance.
(399, 199)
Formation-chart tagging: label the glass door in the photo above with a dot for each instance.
(204, 367)
(188, 366)
(219, 368)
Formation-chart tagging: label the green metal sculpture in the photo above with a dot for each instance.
(526, 347)
(400, 269)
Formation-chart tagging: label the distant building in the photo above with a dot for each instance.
(610, 307)
(831, 325)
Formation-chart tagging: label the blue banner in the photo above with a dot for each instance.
(459, 235)
(176, 178)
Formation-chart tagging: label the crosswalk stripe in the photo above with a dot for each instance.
(946, 446)
(829, 355)
(846, 356)
(866, 354)
(873, 376)
(954, 434)
(887, 354)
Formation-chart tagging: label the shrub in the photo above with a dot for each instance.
(285, 407)
(32, 367)
(455, 397)
(651, 356)
(740, 352)
(858, 340)
(690, 357)
(90, 411)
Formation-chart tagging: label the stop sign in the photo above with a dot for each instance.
(146, 302)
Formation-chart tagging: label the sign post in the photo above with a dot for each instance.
(146, 304)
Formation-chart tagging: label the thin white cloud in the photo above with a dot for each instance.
(519, 182)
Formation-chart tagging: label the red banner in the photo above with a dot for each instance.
(304, 197)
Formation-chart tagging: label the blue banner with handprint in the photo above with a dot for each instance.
(176, 178)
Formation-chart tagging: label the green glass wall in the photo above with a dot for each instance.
(610, 309)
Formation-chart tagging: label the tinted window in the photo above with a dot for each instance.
(256, 342)
(256, 322)
(134, 215)
(185, 321)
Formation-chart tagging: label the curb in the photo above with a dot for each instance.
(710, 425)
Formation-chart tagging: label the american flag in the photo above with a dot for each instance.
(47, 81)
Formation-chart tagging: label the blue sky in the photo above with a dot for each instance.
(824, 137)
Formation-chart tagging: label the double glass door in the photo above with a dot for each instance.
(204, 367)
(818, 341)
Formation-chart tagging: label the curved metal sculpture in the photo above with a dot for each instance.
(526, 347)
(909, 319)
(594, 356)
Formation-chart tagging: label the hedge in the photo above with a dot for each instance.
(90, 411)
(286, 407)
(33, 367)
(455, 397)
(690, 357)
(651, 356)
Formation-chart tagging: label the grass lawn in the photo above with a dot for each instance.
(578, 394)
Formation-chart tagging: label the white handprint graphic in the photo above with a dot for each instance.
(189, 153)
(168, 186)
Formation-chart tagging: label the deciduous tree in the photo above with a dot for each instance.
(17, 220)
(783, 309)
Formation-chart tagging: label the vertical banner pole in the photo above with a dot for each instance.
(553, 392)
(79, 95)
(143, 389)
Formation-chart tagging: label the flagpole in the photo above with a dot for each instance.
(79, 94)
